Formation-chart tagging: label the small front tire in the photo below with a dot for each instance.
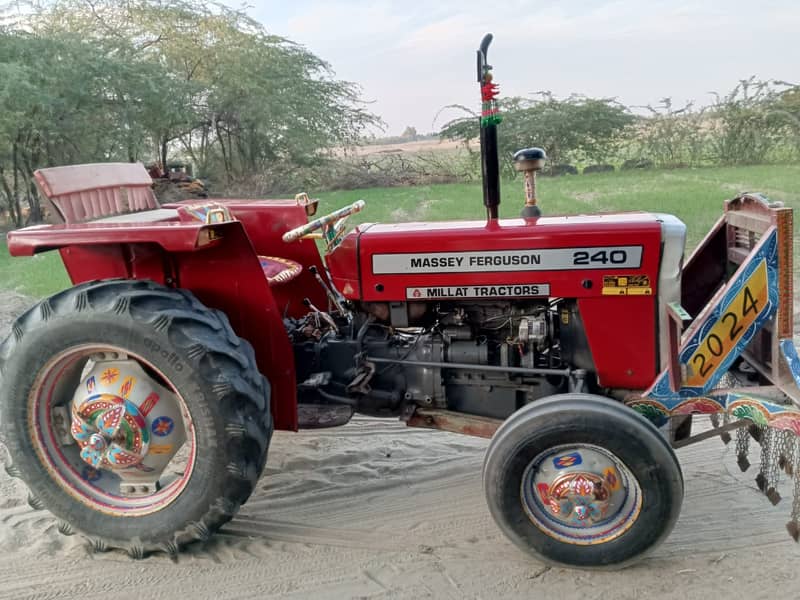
(582, 481)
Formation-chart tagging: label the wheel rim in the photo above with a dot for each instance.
(580, 494)
(112, 430)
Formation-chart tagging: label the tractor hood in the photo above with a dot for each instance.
(561, 256)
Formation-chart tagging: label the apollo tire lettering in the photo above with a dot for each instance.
(172, 359)
(502, 290)
(548, 259)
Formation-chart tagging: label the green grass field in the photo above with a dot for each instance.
(39, 275)
(694, 195)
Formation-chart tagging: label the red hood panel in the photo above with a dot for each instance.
(566, 256)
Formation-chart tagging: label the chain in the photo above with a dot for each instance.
(717, 420)
(763, 436)
(786, 461)
(742, 448)
(775, 446)
(725, 436)
(793, 526)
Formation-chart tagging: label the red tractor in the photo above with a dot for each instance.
(138, 405)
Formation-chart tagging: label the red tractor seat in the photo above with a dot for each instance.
(80, 193)
(277, 270)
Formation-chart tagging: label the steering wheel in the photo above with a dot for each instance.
(332, 225)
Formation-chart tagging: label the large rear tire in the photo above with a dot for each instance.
(581, 481)
(182, 348)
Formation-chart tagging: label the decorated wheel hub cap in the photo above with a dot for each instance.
(579, 498)
(122, 420)
(112, 431)
(581, 494)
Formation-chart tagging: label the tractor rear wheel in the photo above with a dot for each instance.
(582, 481)
(133, 413)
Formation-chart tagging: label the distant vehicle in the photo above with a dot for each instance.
(180, 175)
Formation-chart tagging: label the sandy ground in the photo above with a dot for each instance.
(377, 510)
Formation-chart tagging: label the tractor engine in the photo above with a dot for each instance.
(483, 358)
(482, 317)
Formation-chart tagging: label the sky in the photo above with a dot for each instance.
(412, 58)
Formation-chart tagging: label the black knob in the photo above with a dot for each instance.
(529, 154)
(531, 211)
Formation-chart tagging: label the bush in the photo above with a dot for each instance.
(637, 163)
(746, 126)
(604, 168)
(559, 169)
(671, 137)
(573, 129)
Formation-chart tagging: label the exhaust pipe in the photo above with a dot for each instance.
(490, 162)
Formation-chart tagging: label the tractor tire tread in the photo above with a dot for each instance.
(243, 400)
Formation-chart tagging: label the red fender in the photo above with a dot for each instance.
(216, 262)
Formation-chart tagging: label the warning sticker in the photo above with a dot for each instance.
(626, 285)
(511, 290)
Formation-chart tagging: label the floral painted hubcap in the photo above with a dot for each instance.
(110, 431)
(581, 494)
(579, 498)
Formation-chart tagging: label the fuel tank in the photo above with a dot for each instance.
(608, 262)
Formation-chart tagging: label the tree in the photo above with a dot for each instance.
(573, 128)
(409, 133)
(787, 108)
(245, 99)
(51, 112)
(673, 137)
(100, 80)
(746, 123)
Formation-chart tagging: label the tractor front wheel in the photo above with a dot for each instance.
(133, 413)
(581, 481)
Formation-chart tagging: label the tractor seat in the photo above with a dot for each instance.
(277, 270)
(81, 193)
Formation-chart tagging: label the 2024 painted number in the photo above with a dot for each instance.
(729, 328)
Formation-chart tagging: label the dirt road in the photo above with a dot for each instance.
(376, 510)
